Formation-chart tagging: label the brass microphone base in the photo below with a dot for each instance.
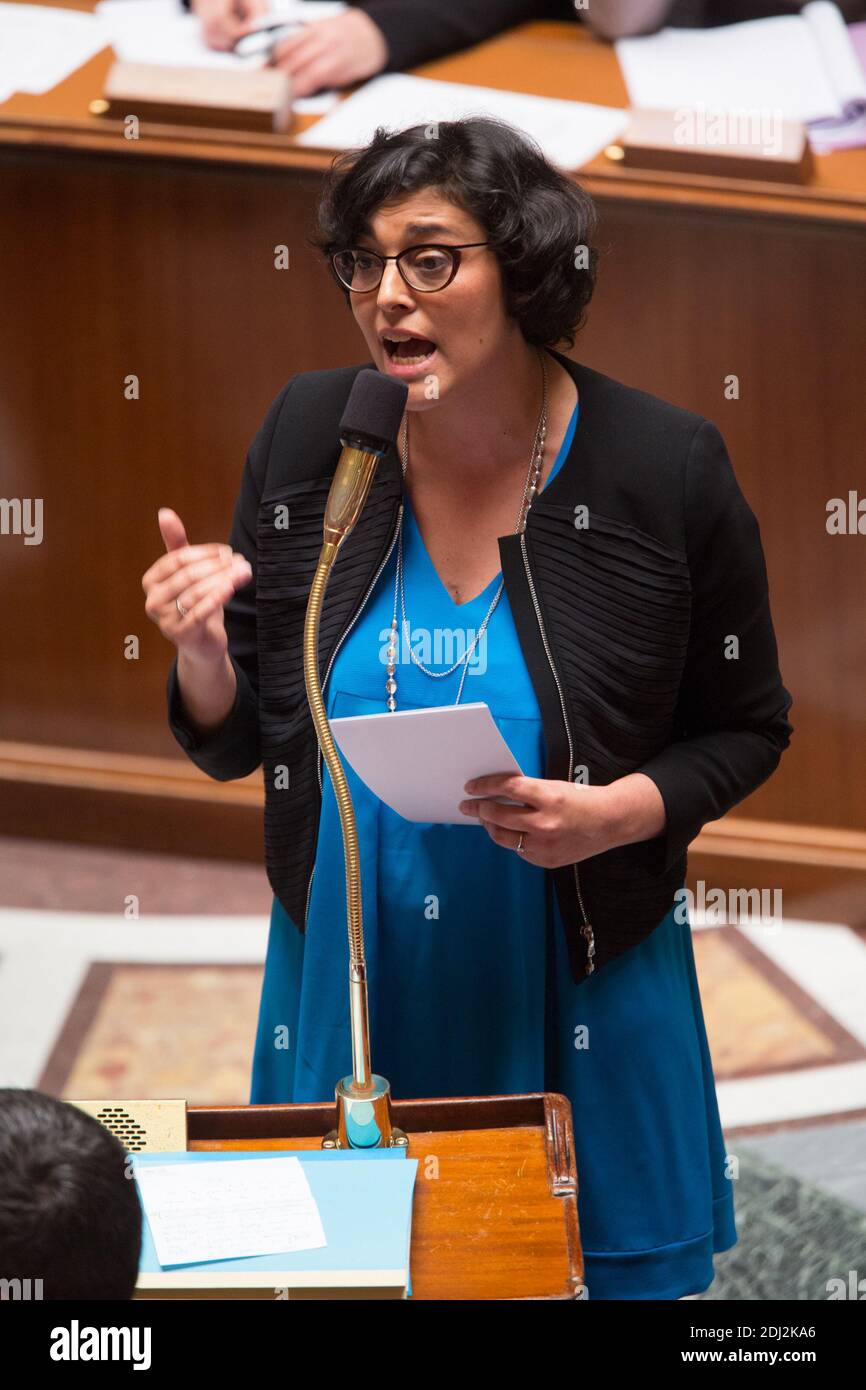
(364, 1117)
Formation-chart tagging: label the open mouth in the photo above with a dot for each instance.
(409, 352)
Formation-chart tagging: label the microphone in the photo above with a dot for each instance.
(368, 427)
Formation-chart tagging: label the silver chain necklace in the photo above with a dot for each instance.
(530, 490)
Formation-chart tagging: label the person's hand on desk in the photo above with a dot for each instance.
(332, 53)
(224, 21)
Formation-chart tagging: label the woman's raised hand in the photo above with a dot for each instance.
(202, 578)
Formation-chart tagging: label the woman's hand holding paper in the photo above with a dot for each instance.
(565, 822)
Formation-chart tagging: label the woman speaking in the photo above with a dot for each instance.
(579, 556)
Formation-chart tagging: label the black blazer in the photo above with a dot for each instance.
(625, 624)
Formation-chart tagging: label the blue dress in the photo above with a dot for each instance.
(470, 987)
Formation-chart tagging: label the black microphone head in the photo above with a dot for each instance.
(373, 411)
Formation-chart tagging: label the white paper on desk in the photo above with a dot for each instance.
(222, 1211)
(40, 45)
(569, 132)
(801, 67)
(418, 760)
(163, 32)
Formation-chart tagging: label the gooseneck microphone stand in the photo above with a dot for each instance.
(369, 425)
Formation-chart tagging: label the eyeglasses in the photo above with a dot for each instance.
(425, 268)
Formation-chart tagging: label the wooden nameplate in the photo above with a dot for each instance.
(253, 99)
(728, 144)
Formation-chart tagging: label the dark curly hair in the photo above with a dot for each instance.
(70, 1215)
(538, 221)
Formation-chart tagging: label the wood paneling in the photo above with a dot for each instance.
(684, 301)
(166, 272)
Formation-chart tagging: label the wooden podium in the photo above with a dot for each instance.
(495, 1208)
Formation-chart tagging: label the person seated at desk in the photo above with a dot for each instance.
(393, 35)
(70, 1215)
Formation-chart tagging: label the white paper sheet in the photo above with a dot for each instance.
(40, 45)
(221, 1211)
(162, 31)
(802, 67)
(417, 761)
(569, 132)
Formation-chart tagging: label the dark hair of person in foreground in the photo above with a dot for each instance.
(69, 1215)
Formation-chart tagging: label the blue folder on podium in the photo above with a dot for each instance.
(365, 1203)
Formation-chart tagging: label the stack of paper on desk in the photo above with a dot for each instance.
(161, 31)
(40, 45)
(801, 67)
(331, 1219)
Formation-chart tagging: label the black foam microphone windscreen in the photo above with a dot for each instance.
(373, 411)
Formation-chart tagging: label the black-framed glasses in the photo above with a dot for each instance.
(426, 268)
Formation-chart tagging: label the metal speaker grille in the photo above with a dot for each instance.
(123, 1126)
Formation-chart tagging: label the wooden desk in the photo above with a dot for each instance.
(156, 258)
(495, 1207)
(549, 59)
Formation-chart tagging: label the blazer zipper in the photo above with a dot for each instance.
(328, 672)
(586, 929)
